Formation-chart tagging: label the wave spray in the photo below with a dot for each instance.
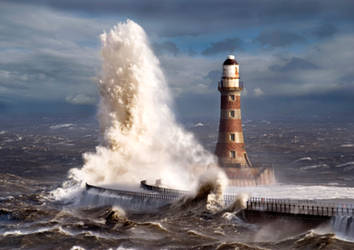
(140, 138)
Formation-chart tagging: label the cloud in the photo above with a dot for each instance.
(81, 99)
(176, 18)
(228, 45)
(166, 47)
(294, 63)
(50, 49)
(188, 74)
(347, 79)
(258, 92)
(46, 55)
(320, 69)
(325, 30)
(279, 39)
(214, 75)
(317, 70)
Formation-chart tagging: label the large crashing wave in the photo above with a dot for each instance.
(140, 136)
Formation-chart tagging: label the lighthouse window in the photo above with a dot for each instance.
(232, 113)
(232, 137)
(232, 98)
(232, 154)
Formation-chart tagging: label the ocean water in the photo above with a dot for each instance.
(45, 161)
(36, 158)
(38, 163)
(31, 218)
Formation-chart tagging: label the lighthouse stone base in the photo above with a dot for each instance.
(250, 176)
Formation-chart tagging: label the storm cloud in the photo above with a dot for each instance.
(228, 45)
(279, 39)
(294, 63)
(287, 50)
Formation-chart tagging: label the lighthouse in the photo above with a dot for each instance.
(230, 147)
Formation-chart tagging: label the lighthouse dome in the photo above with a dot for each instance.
(230, 60)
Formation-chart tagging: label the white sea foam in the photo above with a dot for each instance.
(28, 231)
(350, 163)
(346, 169)
(125, 248)
(304, 159)
(140, 138)
(77, 248)
(314, 166)
(199, 124)
(213, 182)
(64, 125)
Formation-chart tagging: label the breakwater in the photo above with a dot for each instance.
(262, 210)
(323, 208)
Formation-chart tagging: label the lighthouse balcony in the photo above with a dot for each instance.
(230, 85)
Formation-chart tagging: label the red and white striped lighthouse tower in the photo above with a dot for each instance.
(230, 148)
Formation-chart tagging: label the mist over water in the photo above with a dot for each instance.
(140, 138)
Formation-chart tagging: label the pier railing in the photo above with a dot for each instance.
(136, 195)
(306, 207)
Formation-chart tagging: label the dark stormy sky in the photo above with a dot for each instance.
(296, 57)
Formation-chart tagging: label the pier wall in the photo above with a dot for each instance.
(301, 214)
